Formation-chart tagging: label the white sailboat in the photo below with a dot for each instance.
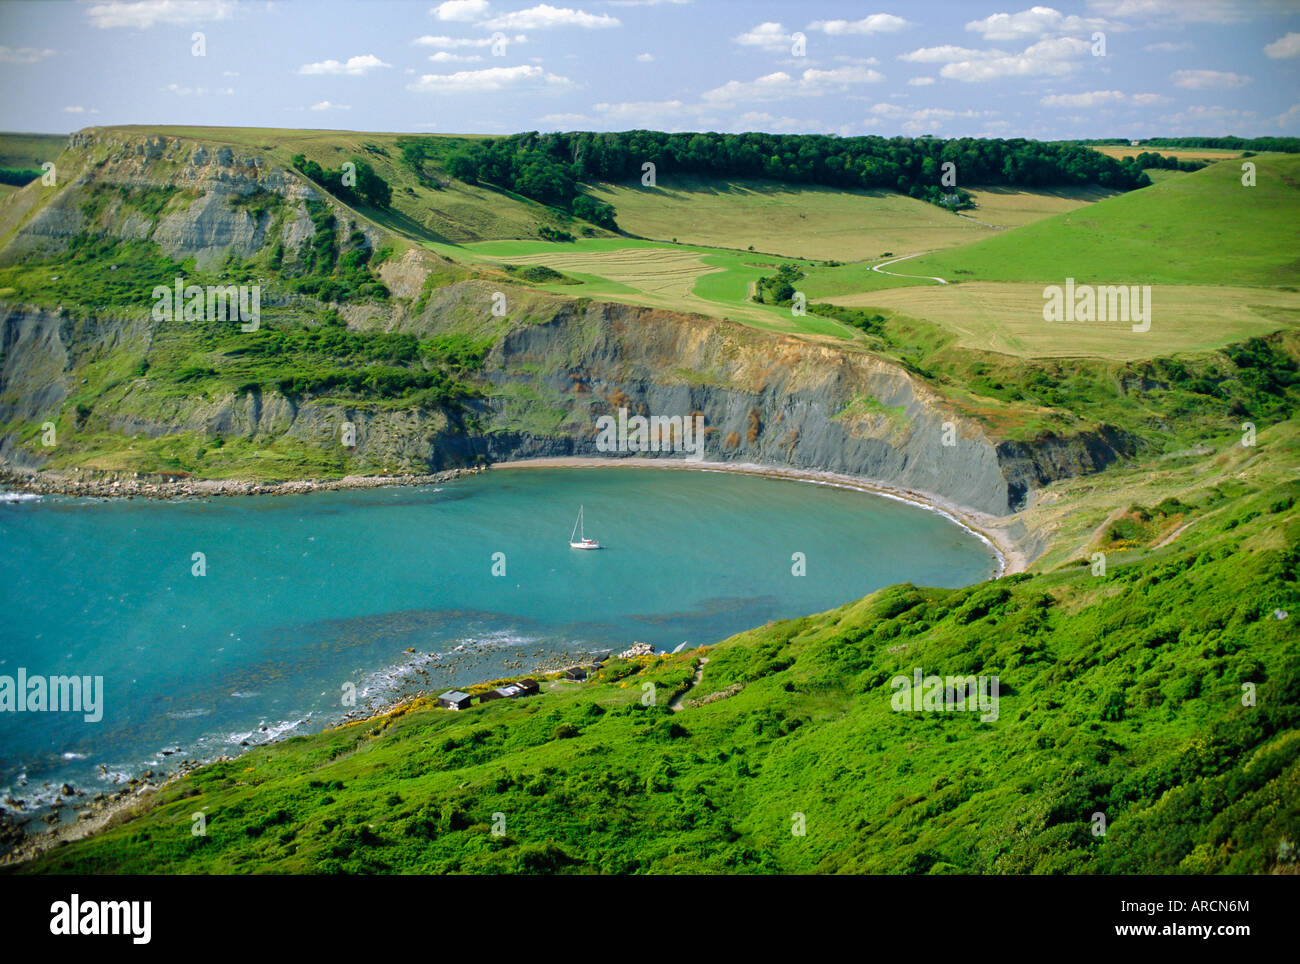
(582, 542)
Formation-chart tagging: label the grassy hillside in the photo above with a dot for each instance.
(682, 277)
(427, 204)
(1120, 694)
(29, 150)
(802, 221)
(1204, 228)
(1005, 207)
(1181, 153)
(821, 223)
(1008, 318)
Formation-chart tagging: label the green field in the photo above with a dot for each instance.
(1203, 228)
(680, 277)
(1181, 153)
(29, 150)
(797, 221)
(1008, 318)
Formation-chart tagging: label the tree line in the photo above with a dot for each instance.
(367, 186)
(551, 167)
(1284, 145)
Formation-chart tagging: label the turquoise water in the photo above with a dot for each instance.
(304, 595)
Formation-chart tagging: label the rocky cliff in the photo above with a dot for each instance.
(556, 366)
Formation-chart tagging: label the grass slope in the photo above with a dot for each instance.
(1120, 694)
(1204, 228)
(1008, 318)
(29, 150)
(805, 221)
(434, 207)
(681, 277)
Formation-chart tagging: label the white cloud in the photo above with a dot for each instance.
(1102, 98)
(1165, 12)
(23, 55)
(769, 36)
(557, 121)
(1207, 79)
(876, 23)
(922, 119)
(74, 110)
(1288, 46)
(446, 57)
(841, 75)
(352, 67)
(326, 105)
(766, 87)
(460, 11)
(947, 54)
(1050, 58)
(781, 84)
(453, 43)
(1208, 121)
(1167, 47)
(1036, 22)
(645, 58)
(522, 77)
(1288, 118)
(761, 120)
(544, 16)
(920, 82)
(637, 112)
(144, 14)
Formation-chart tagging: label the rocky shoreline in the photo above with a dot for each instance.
(19, 844)
(101, 484)
(93, 814)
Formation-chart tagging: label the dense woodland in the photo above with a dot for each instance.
(366, 186)
(551, 167)
(1283, 145)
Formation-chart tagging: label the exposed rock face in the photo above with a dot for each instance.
(764, 399)
(200, 222)
(562, 364)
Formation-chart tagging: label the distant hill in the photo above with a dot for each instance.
(1203, 228)
(29, 150)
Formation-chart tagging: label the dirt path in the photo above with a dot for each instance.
(880, 267)
(1173, 535)
(676, 705)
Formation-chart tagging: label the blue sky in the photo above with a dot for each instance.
(1169, 67)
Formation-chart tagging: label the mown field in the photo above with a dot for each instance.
(1181, 153)
(1004, 207)
(1008, 318)
(681, 277)
(805, 221)
(819, 223)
